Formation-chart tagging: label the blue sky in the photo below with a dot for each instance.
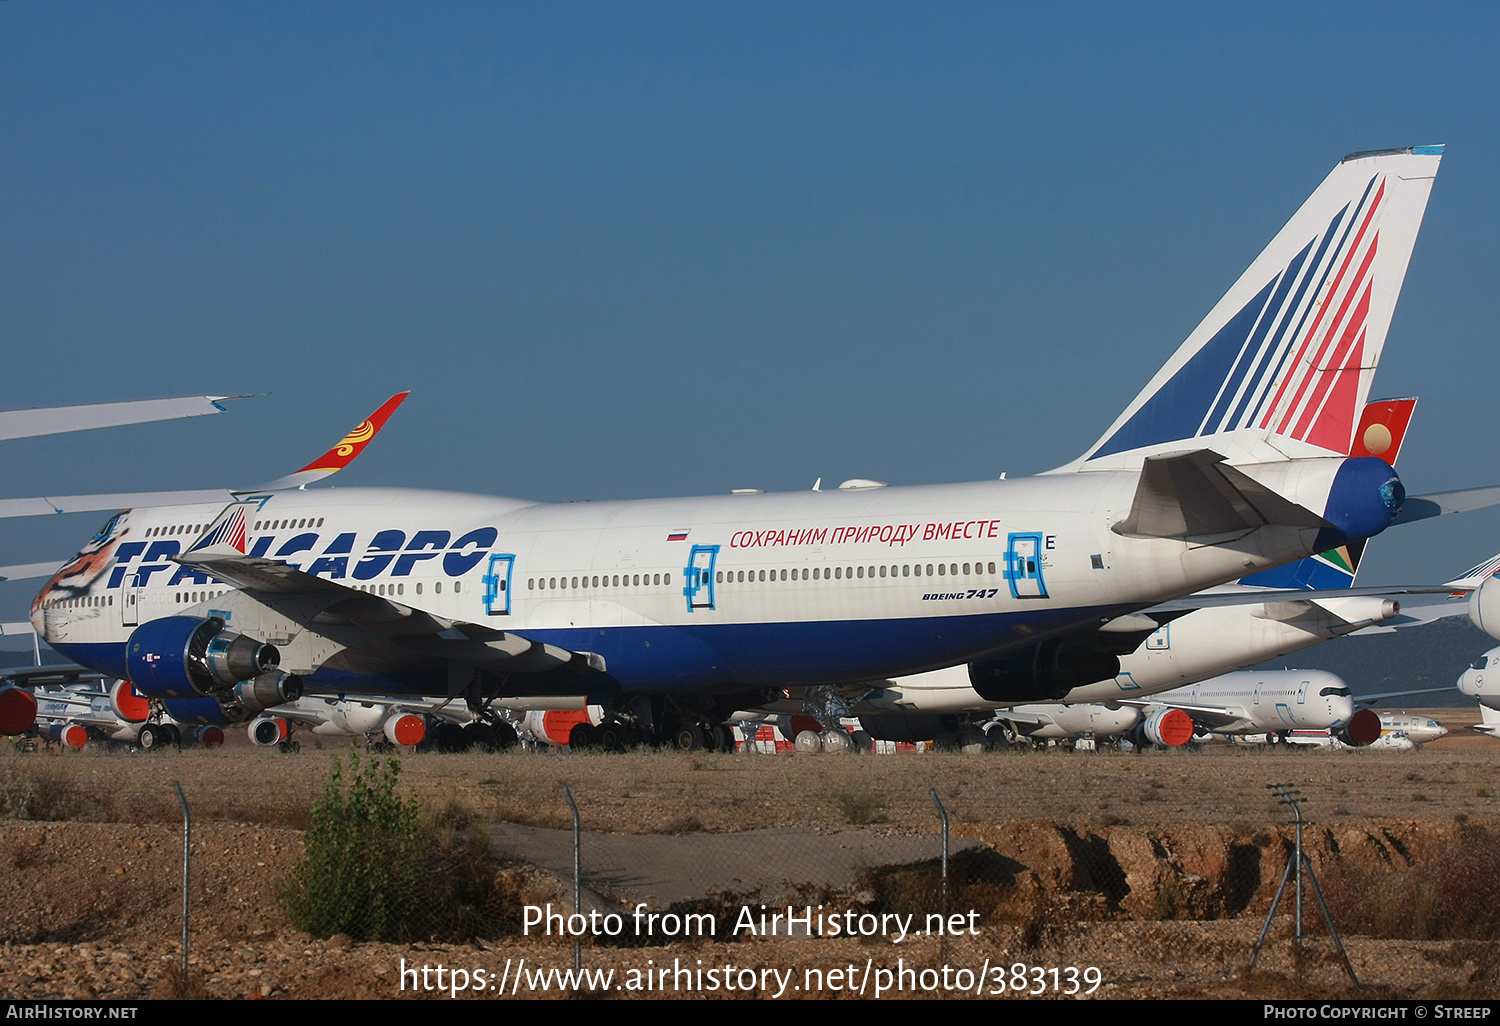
(634, 250)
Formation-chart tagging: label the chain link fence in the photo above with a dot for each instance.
(94, 857)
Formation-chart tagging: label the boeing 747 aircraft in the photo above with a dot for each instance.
(1237, 457)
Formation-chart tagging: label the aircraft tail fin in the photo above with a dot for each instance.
(1489, 721)
(1282, 365)
(1475, 576)
(341, 455)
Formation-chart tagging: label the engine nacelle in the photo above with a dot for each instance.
(188, 657)
(17, 710)
(405, 729)
(1484, 607)
(127, 703)
(1043, 673)
(555, 726)
(208, 737)
(267, 691)
(70, 734)
(1170, 728)
(267, 731)
(1363, 729)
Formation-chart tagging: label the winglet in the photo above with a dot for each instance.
(342, 454)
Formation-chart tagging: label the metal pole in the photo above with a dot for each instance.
(577, 877)
(187, 834)
(944, 813)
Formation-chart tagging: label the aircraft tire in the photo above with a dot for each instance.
(613, 736)
(149, 737)
(503, 736)
(173, 735)
(583, 737)
(688, 738)
(446, 737)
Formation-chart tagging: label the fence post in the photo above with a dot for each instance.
(944, 813)
(187, 833)
(577, 878)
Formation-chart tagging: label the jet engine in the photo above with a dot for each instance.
(127, 703)
(405, 729)
(1362, 729)
(267, 731)
(267, 690)
(70, 734)
(1484, 607)
(1170, 728)
(187, 657)
(1042, 673)
(17, 710)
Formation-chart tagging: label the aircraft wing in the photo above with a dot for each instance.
(25, 571)
(47, 504)
(1207, 719)
(1415, 616)
(56, 420)
(56, 673)
(1372, 699)
(409, 636)
(1249, 596)
(334, 460)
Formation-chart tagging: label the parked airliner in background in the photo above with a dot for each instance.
(1270, 702)
(1415, 728)
(1238, 457)
(1481, 681)
(926, 705)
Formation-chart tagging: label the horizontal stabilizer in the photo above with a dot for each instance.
(1423, 507)
(1196, 494)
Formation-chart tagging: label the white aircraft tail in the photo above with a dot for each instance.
(1489, 721)
(1281, 367)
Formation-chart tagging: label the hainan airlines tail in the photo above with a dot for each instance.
(1281, 367)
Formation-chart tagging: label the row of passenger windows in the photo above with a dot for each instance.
(854, 572)
(837, 573)
(80, 603)
(610, 581)
(277, 525)
(642, 580)
(157, 532)
(260, 525)
(400, 588)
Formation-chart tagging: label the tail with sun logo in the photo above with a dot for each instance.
(1381, 430)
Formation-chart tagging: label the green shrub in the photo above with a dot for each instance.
(361, 869)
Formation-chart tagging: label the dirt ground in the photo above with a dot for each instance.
(1155, 869)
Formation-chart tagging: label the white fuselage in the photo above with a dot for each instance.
(678, 594)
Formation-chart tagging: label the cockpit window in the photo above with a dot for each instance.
(1479, 663)
(108, 529)
(1340, 692)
